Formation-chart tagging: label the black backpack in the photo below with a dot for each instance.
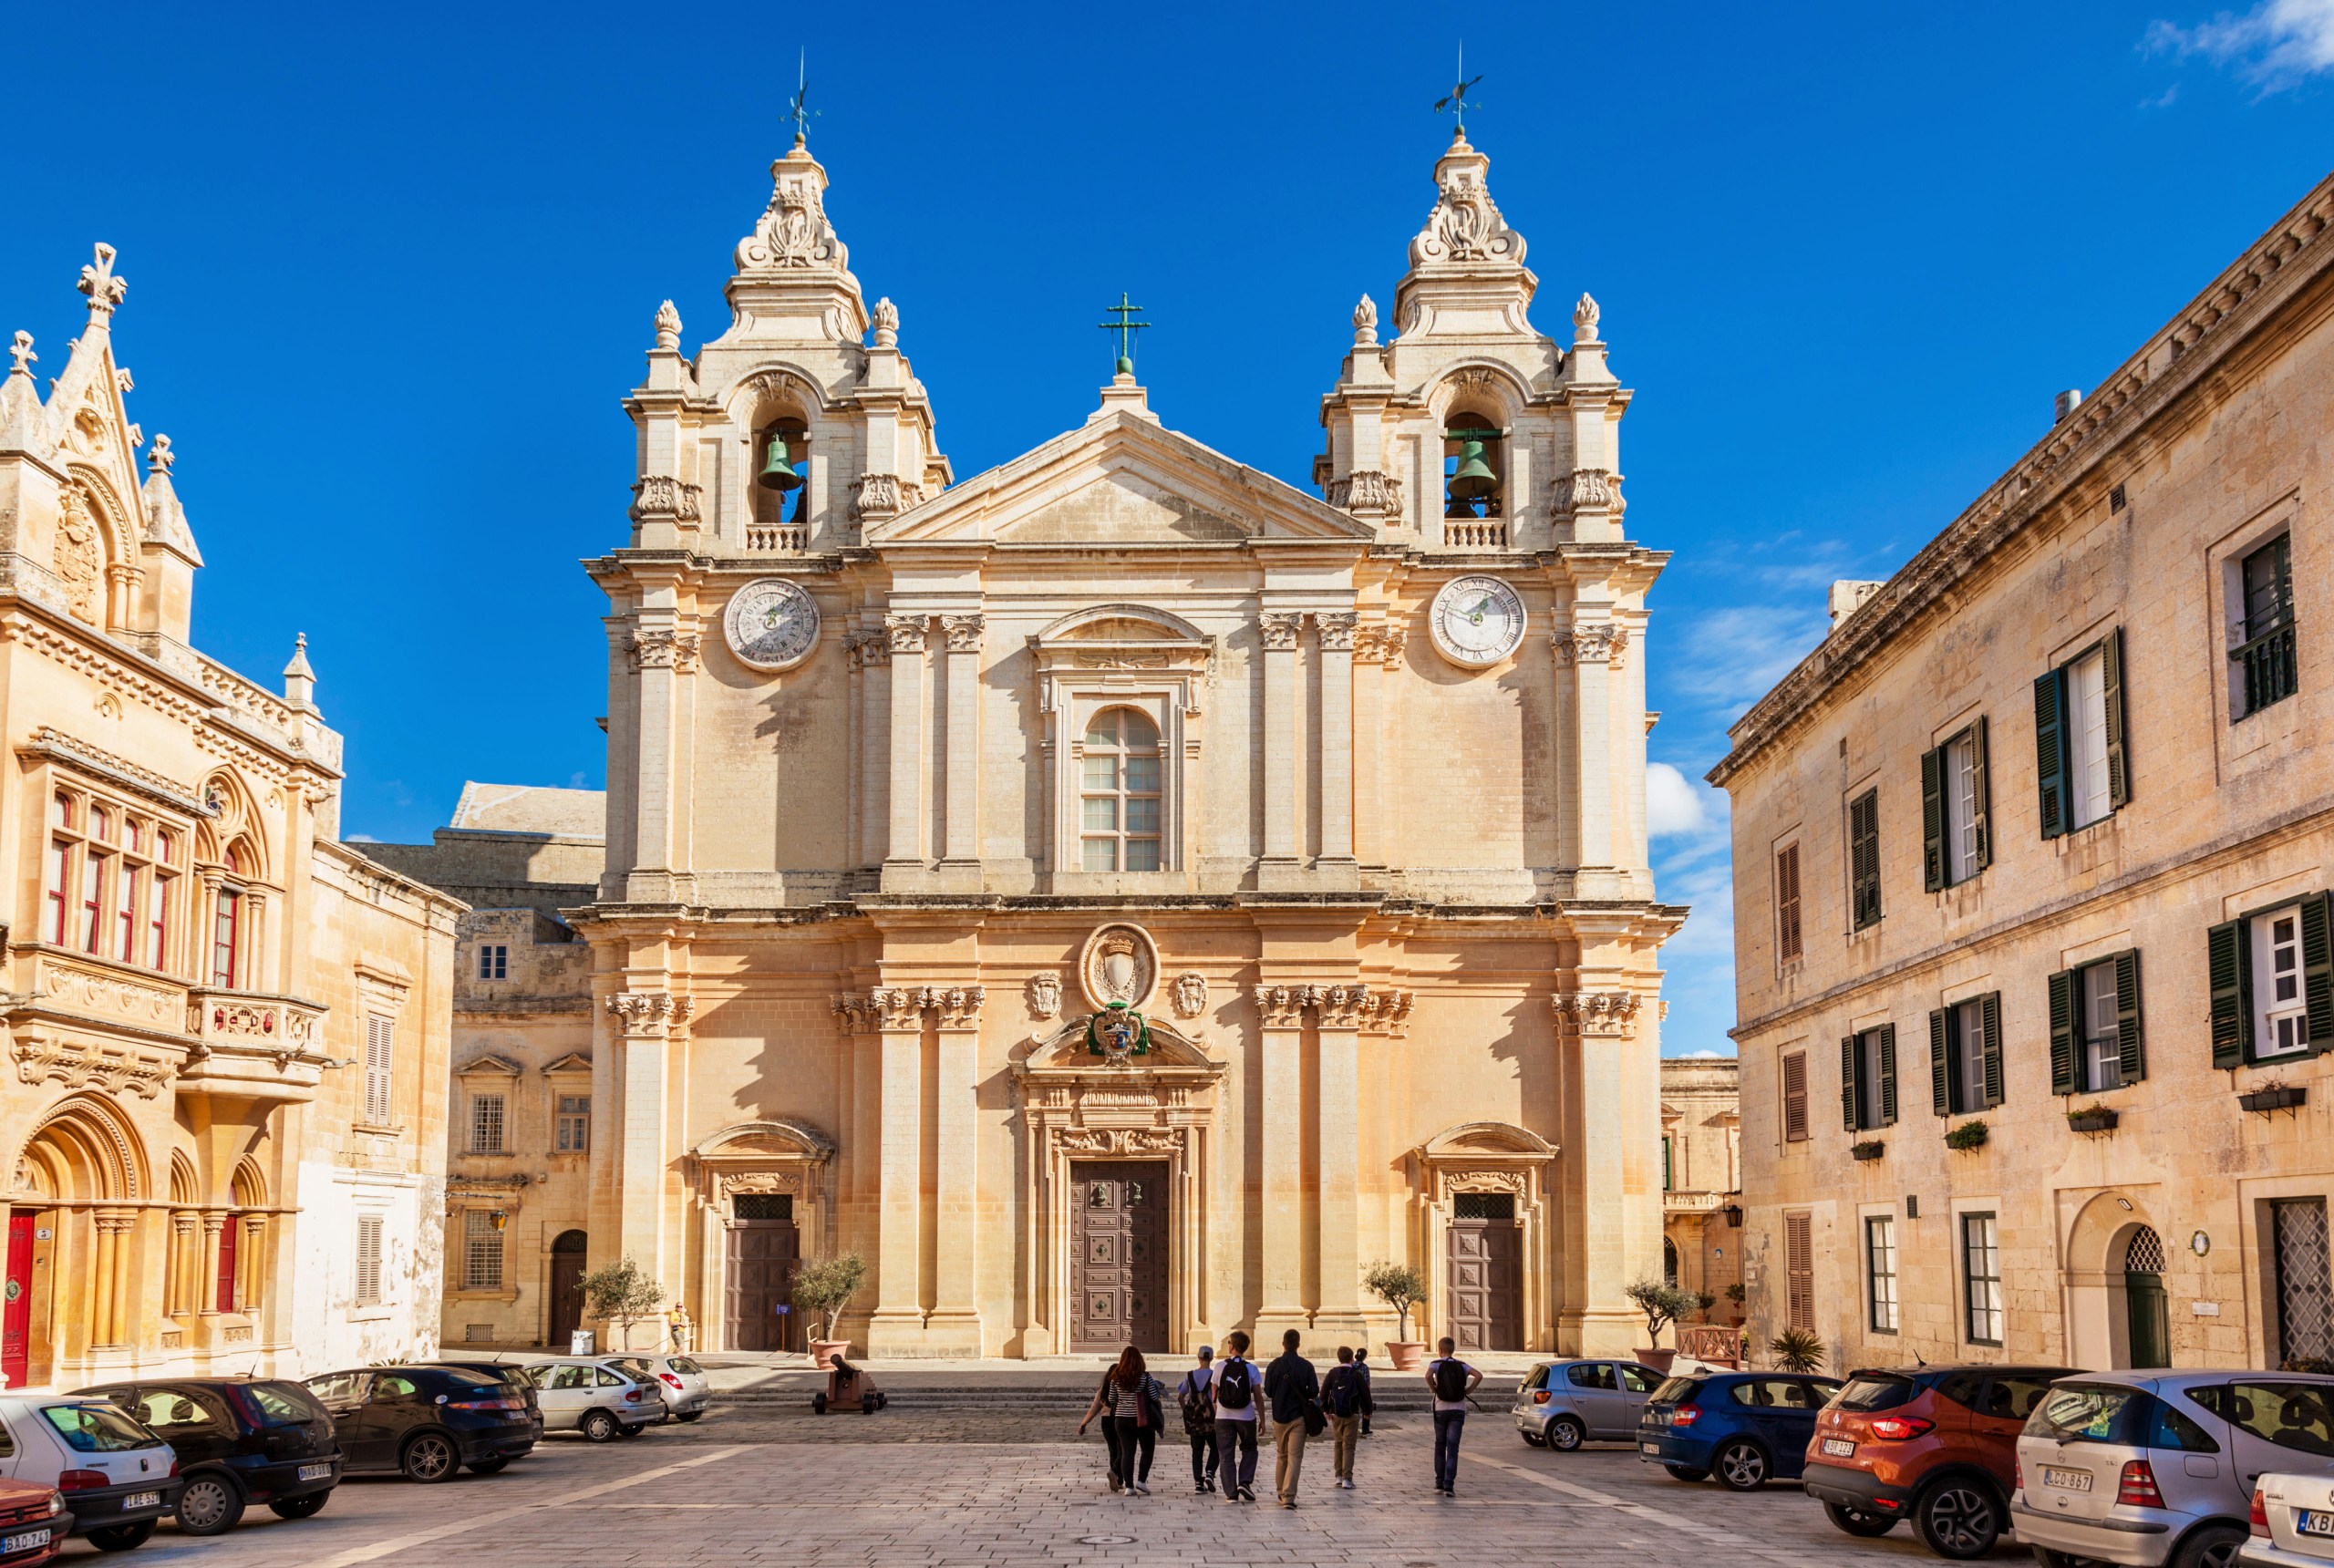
(1344, 1391)
(1233, 1391)
(1450, 1379)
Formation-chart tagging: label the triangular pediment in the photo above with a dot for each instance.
(1121, 481)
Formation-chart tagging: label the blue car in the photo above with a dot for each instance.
(1745, 1428)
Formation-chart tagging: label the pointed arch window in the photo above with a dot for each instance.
(227, 933)
(1121, 800)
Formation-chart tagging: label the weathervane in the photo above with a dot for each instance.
(1125, 327)
(1456, 102)
(798, 110)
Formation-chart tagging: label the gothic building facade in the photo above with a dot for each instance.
(1121, 894)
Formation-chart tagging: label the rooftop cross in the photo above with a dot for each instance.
(21, 353)
(1125, 327)
(798, 110)
(1456, 102)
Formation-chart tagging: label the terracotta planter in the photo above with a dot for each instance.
(824, 1351)
(1407, 1355)
(1658, 1359)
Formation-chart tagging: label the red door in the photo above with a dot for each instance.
(16, 1304)
(227, 1265)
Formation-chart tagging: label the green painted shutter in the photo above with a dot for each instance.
(1864, 858)
(2050, 750)
(2317, 972)
(2229, 974)
(1848, 1083)
(2129, 1042)
(2062, 1032)
(2118, 770)
(1933, 820)
(1939, 1067)
(1983, 805)
(1887, 1075)
(1990, 1015)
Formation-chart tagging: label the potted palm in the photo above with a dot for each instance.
(1401, 1287)
(1662, 1304)
(624, 1295)
(821, 1288)
(1796, 1350)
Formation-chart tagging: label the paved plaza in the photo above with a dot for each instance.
(921, 1492)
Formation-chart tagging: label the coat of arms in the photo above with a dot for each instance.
(1117, 1033)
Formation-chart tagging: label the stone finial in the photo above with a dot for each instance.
(1365, 324)
(21, 351)
(160, 460)
(669, 328)
(1584, 320)
(299, 675)
(97, 280)
(887, 323)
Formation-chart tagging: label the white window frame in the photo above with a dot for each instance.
(1879, 1303)
(2099, 1040)
(493, 960)
(489, 1123)
(1965, 1055)
(482, 1246)
(1960, 790)
(1981, 1294)
(1119, 794)
(2268, 1010)
(2088, 797)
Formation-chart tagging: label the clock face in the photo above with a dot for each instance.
(1477, 621)
(771, 625)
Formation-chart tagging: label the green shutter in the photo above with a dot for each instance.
(2229, 974)
(1864, 858)
(1990, 1014)
(2118, 770)
(2317, 972)
(2129, 1045)
(2062, 1032)
(1933, 875)
(1887, 1075)
(1848, 1083)
(1939, 1067)
(2050, 750)
(1983, 805)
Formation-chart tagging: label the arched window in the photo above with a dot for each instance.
(227, 925)
(1475, 468)
(781, 473)
(1669, 1262)
(95, 874)
(1119, 800)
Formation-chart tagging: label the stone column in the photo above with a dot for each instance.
(1588, 651)
(905, 847)
(962, 827)
(1337, 1314)
(1280, 1039)
(1279, 632)
(645, 1019)
(898, 1323)
(1594, 1029)
(252, 1255)
(956, 1324)
(1337, 736)
(102, 1261)
(874, 655)
(206, 1288)
(659, 653)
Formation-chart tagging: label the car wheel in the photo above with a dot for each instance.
(687, 1415)
(488, 1467)
(2213, 1546)
(1532, 1439)
(432, 1458)
(1686, 1472)
(1959, 1518)
(122, 1537)
(1740, 1466)
(303, 1507)
(1856, 1522)
(212, 1504)
(1565, 1435)
(633, 1431)
(598, 1425)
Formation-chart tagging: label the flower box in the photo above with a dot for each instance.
(1968, 1135)
(2098, 1119)
(1869, 1148)
(2274, 1097)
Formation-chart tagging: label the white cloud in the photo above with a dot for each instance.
(360, 839)
(2274, 45)
(1733, 655)
(1673, 803)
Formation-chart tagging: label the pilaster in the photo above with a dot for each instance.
(954, 1329)
(1280, 1206)
(646, 1022)
(897, 1326)
(905, 854)
(1337, 633)
(1337, 1311)
(962, 854)
(1278, 630)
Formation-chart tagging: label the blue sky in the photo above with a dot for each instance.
(391, 272)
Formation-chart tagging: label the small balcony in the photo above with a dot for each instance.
(251, 1044)
(1474, 534)
(778, 539)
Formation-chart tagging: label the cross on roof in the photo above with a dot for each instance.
(797, 109)
(1125, 327)
(21, 351)
(1456, 100)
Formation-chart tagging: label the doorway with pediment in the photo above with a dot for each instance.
(765, 1202)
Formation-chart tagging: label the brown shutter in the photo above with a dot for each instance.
(1795, 1097)
(1787, 929)
(1799, 1270)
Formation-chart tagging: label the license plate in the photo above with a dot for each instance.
(1840, 1447)
(314, 1472)
(142, 1499)
(1649, 1448)
(11, 1544)
(2311, 1521)
(2066, 1480)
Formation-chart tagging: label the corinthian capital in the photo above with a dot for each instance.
(905, 633)
(963, 632)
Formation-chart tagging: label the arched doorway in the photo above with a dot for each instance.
(71, 1251)
(568, 1250)
(2147, 1327)
(1669, 1262)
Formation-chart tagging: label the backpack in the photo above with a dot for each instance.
(1343, 1391)
(1234, 1392)
(1450, 1380)
(1199, 1409)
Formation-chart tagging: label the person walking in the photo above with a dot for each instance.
(1196, 1395)
(1236, 1390)
(1294, 1391)
(1130, 1401)
(1361, 1365)
(1344, 1398)
(1450, 1380)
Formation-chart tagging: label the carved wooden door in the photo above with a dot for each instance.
(764, 1251)
(1484, 1273)
(1119, 1257)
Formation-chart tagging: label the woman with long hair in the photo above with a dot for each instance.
(1129, 1402)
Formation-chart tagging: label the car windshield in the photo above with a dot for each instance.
(1874, 1391)
(635, 1367)
(684, 1366)
(98, 1429)
(282, 1404)
(2090, 1413)
(1676, 1390)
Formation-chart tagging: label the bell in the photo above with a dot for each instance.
(778, 474)
(1475, 479)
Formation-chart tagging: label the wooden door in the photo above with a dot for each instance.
(1119, 1257)
(567, 1255)
(16, 1304)
(763, 1255)
(1484, 1272)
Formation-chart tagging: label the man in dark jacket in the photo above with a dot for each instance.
(1295, 1391)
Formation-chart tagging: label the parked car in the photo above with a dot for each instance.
(2293, 1522)
(1564, 1404)
(239, 1440)
(116, 1477)
(34, 1523)
(423, 1422)
(597, 1395)
(686, 1389)
(2154, 1468)
(1745, 1428)
(1938, 1445)
(508, 1372)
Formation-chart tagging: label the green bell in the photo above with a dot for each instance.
(1475, 479)
(778, 474)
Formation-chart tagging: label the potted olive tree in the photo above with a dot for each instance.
(625, 1295)
(1662, 1304)
(823, 1287)
(1401, 1287)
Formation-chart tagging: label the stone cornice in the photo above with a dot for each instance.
(2177, 360)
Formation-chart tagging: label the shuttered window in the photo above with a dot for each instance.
(1795, 1097)
(1799, 1271)
(380, 1054)
(2271, 981)
(1864, 860)
(1957, 834)
(368, 1260)
(1868, 1079)
(2083, 764)
(2263, 655)
(2097, 1040)
(1788, 940)
(1965, 1055)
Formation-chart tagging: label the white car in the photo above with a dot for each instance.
(597, 1395)
(2293, 1522)
(116, 1476)
(687, 1389)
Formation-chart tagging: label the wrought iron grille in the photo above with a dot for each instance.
(1484, 1206)
(2144, 1254)
(761, 1205)
(2305, 1293)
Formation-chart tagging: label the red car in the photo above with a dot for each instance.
(33, 1523)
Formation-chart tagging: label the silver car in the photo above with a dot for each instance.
(2153, 1467)
(1564, 1404)
(2293, 1522)
(686, 1389)
(597, 1395)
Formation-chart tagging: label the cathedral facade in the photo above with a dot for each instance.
(1121, 894)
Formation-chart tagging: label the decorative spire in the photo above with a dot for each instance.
(160, 460)
(887, 323)
(1455, 100)
(1465, 225)
(1125, 327)
(1584, 320)
(797, 109)
(1365, 324)
(104, 289)
(669, 328)
(300, 677)
(21, 351)
(793, 233)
